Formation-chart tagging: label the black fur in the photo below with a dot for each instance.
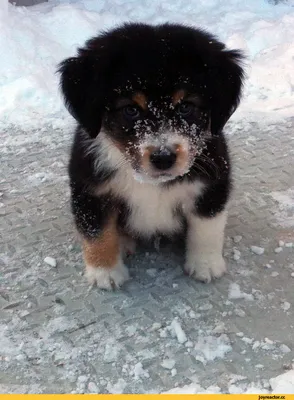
(156, 60)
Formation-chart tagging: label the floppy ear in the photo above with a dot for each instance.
(83, 91)
(226, 81)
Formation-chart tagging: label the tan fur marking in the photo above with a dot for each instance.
(178, 96)
(182, 156)
(146, 156)
(141, 100)
(103, 251)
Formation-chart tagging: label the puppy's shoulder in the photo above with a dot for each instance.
(83, 159)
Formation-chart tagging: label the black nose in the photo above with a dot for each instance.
(163, 159)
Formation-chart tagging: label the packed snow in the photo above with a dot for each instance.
(210, 347)
(257, 250)
(34, 40)
(50, 261)
(236, 293)
(285, 208)
(283, 383)
(177, 330)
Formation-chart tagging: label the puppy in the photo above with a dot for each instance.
(149, 155)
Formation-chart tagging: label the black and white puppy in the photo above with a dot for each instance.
(149, 155)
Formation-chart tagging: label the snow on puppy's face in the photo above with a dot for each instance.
(159, 136)
(157, 94)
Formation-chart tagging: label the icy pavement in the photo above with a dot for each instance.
(163, 330)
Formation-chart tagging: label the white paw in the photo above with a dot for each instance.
(205, 269)
(107, 278)
(128, 245)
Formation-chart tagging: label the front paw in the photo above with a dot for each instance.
(107, 277)
(206, 268)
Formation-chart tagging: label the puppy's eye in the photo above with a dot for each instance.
(131, 112)
(185, 109)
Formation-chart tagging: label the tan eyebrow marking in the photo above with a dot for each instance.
(181, 94)
(140, 99)
(178, 96)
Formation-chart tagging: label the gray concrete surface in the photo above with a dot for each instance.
(58, 336)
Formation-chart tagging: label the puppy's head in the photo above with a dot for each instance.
(158, 92)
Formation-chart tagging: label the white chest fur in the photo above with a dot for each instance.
(152, 207)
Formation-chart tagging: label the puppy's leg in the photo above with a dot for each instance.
(128, 244)
(205, 237)
(96, 220)
(103, 258)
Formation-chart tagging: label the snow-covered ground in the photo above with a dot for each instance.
(33, 41)
(283, 383)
